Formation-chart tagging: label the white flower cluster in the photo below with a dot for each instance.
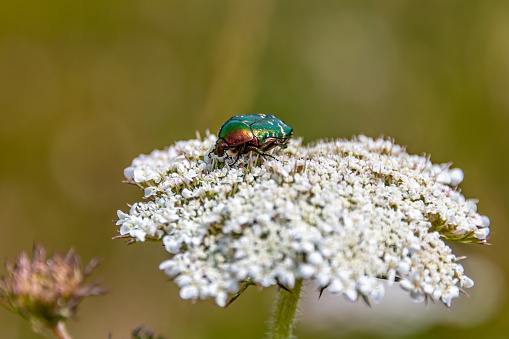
(346, 213)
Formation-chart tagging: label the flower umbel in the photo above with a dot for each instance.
(345, 213)
(46, 291)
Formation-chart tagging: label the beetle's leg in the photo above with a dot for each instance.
(272, 142)
(239, 151)
(256, 150)
(236, 159)
(268, 144)
(269, 155)
(226, 156)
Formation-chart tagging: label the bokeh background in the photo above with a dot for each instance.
(86, 86)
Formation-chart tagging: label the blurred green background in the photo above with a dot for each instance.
(86, 86)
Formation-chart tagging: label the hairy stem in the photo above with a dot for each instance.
(284, 316)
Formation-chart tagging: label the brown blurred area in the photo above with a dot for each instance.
(86, 86)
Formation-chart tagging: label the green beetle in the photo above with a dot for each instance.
(259, 133)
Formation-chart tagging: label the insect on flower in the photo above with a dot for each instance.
(258, 133)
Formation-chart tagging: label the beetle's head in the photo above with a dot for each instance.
(221, 146)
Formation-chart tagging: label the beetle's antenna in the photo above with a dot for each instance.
(236, 159)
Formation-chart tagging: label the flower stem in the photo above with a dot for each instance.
(60, 331)
(284, 316)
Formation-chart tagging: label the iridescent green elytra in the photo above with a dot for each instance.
(259, 133)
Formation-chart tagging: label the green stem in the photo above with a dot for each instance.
(284, 315)
(60, 331)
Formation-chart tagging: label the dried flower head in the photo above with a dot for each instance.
(46, 291)
(345, 213)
